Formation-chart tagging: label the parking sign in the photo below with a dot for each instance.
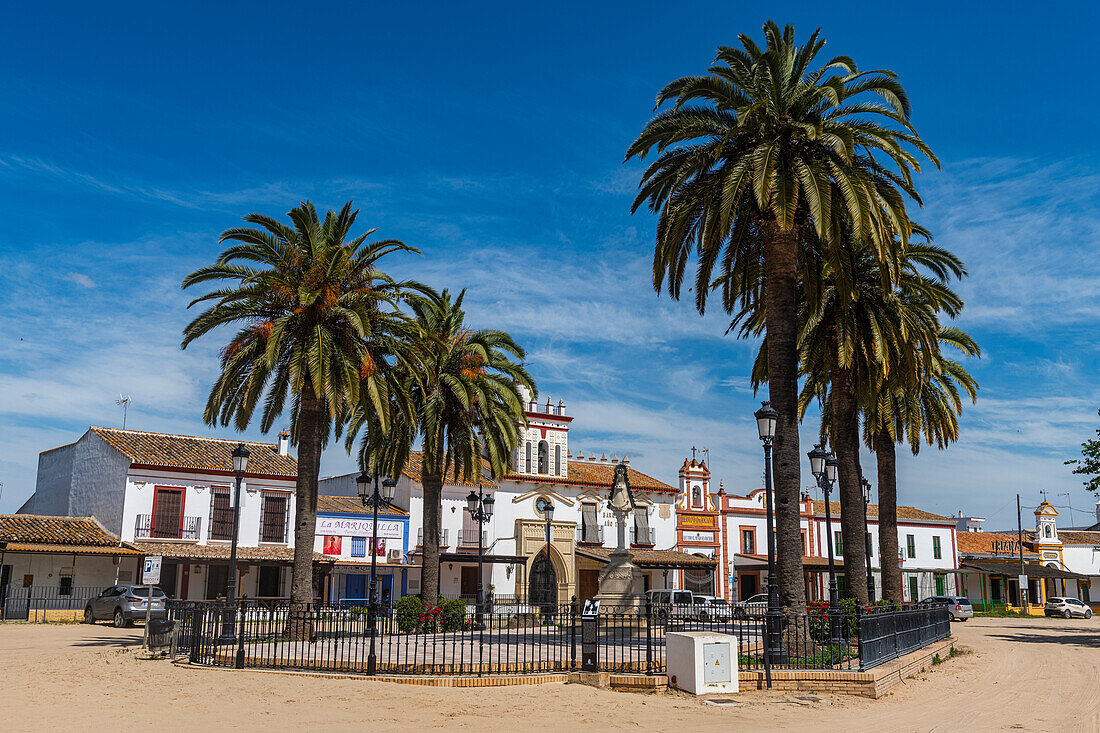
(150, 571)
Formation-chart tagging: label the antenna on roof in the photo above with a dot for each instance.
(124, 401)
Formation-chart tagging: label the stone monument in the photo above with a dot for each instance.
(621, 583)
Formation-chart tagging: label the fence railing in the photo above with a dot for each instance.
(442, 538)
(525, 639)
(187, 528)
(28, 604)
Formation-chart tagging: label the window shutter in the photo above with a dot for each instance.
(589, 523)
(358, 546)
(641, 526)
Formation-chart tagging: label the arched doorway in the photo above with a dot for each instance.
(542, 587)
(699, 581)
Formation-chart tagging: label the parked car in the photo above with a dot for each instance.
(1067, 608)
(719, 609)
(755, 606)
(124, 604)
(672, 603)
(960, 607)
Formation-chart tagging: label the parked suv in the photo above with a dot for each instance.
(123, 604)
(1067, 608)
(672, 603)
(960, 607)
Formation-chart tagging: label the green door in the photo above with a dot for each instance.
(941, 585)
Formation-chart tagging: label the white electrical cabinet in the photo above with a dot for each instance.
(701, 662)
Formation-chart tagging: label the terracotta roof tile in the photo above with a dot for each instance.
(189, 551)
(1078, 537)
(188, 451)
(44, 530)
(349, 505)
(904, 512)
(414, 469)
(71, 549)
(644, 558)
(599, 475)
(992, 543)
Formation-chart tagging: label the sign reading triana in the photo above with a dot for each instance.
(1010, 547)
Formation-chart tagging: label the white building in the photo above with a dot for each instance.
(733, 527)
(519, 563)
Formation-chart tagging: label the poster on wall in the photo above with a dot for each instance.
(379, 548)
(332, 545)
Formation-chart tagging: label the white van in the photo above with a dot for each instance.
(675, 603)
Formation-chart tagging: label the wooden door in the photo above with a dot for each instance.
(468, 585)
(588, 584)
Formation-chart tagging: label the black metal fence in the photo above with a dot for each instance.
(454, 640)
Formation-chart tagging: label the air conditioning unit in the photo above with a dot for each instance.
(393, 556)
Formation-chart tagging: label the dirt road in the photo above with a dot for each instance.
(1034, 675)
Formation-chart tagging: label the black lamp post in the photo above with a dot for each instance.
(766, 418)
(823, 466)
(229, 631)
(867, 533)
(481, 511)
(388, 488)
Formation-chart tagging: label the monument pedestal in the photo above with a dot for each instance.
(622, 588)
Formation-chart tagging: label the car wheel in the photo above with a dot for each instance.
(1088, 614)
(89, 615)
(120, 619)
(1068, 614)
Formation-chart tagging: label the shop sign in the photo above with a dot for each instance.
(692, 521)
(698, 536)
(340, 526)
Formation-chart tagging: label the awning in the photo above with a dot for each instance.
(70, 549)
(811, 564)
(653, 559)
(1012, 569)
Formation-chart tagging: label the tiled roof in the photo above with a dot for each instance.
(1032, 570)
(651, 558)
(71, 549)
(43, 530)
(598, 476)
(348, 505)
(187, 451)
(414, 469)
(904, 512)
(189, 551)
(982, 543)
(1078, 537)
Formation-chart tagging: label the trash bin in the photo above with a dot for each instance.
(160, 633)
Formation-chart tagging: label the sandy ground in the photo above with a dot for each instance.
(1034, 675)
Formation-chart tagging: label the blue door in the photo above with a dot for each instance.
(355, 586)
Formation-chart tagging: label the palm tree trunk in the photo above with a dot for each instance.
(310, 436)
(845, 433)
(430, 520)
(781, 323)
(888, 516)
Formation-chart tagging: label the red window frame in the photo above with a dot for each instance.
(156, 495)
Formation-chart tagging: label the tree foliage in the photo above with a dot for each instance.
(1089, 462)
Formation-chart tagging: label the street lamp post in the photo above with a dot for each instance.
(766, 418)
(867, 534)
(481, 511)
(547, 508)
(388, 488)
(229, 631)
(823, 466)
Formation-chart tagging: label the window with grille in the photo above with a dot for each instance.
(167, 513)
(273, 518)
(748, 542)
(221, 515)
(936, 552)
(358, 546)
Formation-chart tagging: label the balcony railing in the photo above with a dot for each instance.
(594, 535)
(187, 528)
(468, 538)
(442, 538)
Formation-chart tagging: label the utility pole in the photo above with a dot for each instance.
(1020, 545)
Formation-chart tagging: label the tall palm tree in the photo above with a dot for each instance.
(756, 149)
(463, 403)
(318, 321)
(919, 400)
(857, 324)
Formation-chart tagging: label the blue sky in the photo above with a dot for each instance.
(491, 137)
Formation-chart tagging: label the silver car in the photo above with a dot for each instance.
(755, 606)
(1066, 608)
(124, 604)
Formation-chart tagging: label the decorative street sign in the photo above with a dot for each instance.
(150, 570)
